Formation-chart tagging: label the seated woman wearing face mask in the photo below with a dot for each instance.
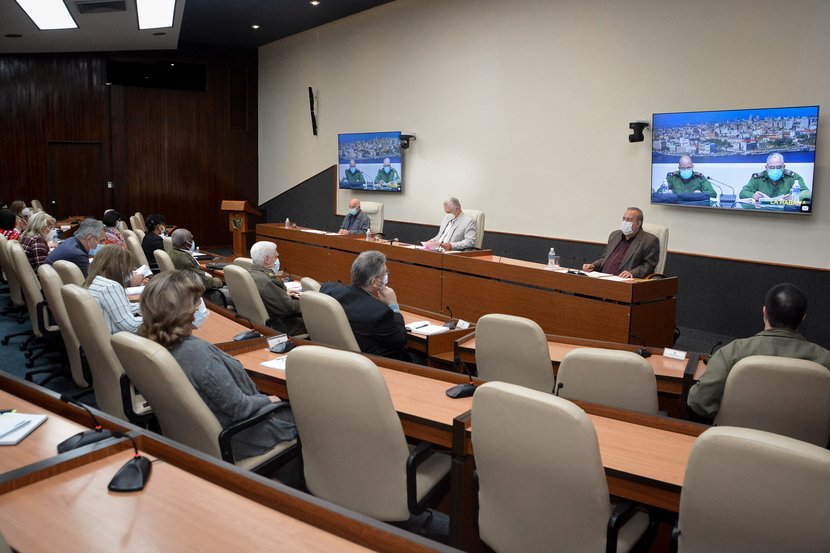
(110, 271)
(172, 306)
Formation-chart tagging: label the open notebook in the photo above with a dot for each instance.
(16, 426)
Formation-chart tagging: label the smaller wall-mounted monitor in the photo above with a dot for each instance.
(760, 160)
(370, 161)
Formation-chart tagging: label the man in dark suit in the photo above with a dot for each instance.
(372, 307)
(631, 252)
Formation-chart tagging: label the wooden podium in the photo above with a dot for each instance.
(238, 211)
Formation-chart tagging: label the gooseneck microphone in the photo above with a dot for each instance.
(462, 390)
(133, 475)
(88, 436)
(453, 321)
(724, 198)
(642, 352)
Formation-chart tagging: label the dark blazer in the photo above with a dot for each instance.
(642, 255)
(377, 328)
(150, 244)
(73, 251)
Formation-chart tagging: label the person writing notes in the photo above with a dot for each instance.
(776, 181)
(631, 252)
(457, 230)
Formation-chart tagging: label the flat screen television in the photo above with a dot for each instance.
(757, 160)
(370, 161)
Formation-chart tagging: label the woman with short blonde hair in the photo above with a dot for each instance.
(34, 239)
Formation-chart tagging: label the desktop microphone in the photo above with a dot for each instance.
(133, 475)
(725, 198)
(502, 254)
(462, 390)
(83, 438)
(452, 322)
(642, 352)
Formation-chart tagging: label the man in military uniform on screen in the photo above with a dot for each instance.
(775, 181)
(688, 181)
(387, 175)
(353, 177)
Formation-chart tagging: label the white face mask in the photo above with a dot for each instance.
(627, 227)
(201, 314)
(384, 281)
(276, 267)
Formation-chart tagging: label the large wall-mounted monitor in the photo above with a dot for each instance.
(759, 160)
(370, 161)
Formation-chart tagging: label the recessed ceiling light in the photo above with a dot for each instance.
(255, 27)
(155, 14)
(48, 14)
(315, 2)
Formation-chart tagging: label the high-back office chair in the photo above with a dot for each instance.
(662, 234)
(181, 412)
(542, 486)
(375, 212)
(326, 321)
(245, 295)
(36, 206)
(478, 217)
(134, 246)
(163, 261)
(780, 395)
(17, 305)
(513, 349)
(113, 392)
(244, 262)
(362, 461)
(140, 218)
(620, 379)
(309, 283)
(51, 283)
(168, 243)
(140, 235)
(135, 224)
(748, 490)
(128, 232)
(69, 272)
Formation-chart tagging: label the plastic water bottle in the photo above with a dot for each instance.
(552, 258)
(664, 187)
(193, 248)
(368, 234)
(287, 223)
(795, 193)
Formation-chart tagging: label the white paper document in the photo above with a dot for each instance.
(417, 324)
(16, 426)
(313, 231)
(278, 363)
(429, 330)
(134, 290)
(597, 274)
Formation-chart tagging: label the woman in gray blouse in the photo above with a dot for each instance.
(170, 308)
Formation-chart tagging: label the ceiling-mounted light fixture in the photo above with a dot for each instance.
(155, 14)
(255, 27)
(48, 15)
(315, 2)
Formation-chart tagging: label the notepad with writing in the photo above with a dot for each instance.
(429, 330)
(16, 426)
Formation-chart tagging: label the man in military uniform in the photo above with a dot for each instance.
(688, 181)
(775, 181)
(388, 175)
(353, 177)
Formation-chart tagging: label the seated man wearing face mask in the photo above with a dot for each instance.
(688, 181)
(353, 177)
(776, 180)
(372, 307)
(631, 251)
(387, 175)
(89, 237)
(283, 308)
(355, 221)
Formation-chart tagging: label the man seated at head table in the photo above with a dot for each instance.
(171, 307)
(784, 308)
(457, 230)
(631, 252)
(353, 177)
(355, 221)
(86, 241)
(372, 307)
(388, 175)
(283, 308)
(183, 260)
(688, 181)
(775, 181)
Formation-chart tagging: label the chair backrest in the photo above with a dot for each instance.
(244, 262)
(69, 272)
(37, 206)
(309, 283)
(88, 322)
(140, 235)
(662, 234)
(620, 379)
(163, 261)
(121, 226)
(168, 243)
(748, 490)
(140, 219)
(360, 462)
(513, 349)
(182, 414)
(51, 283)
(245, 295)
(780, 395)
(326, 321)
(375, 212)
(533, 450)
(135, 248)
(134, 223)
(478, 217)
(30, 286)
(128, 232)
(15, 292)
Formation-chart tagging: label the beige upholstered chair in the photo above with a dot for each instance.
(36, 206)
(361, 462)
(542, 486)
(620, 379)
(513, 349)
(128, 232)
(326, 321)
(375, 212)
(163, 261)
(309, 283)
(134, 246)
(748, 490)
(478, 217)
(108, 378)
(17, 303)
(182, 414)
(134, 223)
(140, 235)
(662, 234)
(245, 295)
(244, 262)
(780, 395)
(168, 243)
(51, 283)
(69, 272)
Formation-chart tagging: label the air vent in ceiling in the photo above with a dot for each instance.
(104, 6)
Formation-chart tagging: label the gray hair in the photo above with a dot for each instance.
(367, 266)
(638, 211)
(260, 250)
(180, 237)
(89, 227)
(453, 203)
(774, 155)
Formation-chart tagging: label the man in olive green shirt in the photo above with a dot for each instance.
(688, 181)
(388, 175)
(353, 176)
(784, 309)
(775, 181)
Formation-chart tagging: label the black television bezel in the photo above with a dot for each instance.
(372, 190)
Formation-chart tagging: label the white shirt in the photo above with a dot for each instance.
(118, 312)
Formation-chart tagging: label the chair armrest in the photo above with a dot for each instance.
(417, 456)
(623, 512)
(229, 432)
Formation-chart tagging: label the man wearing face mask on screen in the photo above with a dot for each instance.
(631, 252)
(283, 308)
(388, 176)
(688, 181)
(353, 177)
(776, 180)
(372, 307)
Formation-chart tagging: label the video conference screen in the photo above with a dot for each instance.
(760, 160)
(370, 161)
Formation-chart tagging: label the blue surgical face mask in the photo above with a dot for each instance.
(387, 169)
(201, 314)
(276, 267)
(353, 211)
(94, 250)
(775, 174)
(685, 174)
(352, 170)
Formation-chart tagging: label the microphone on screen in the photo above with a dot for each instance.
(642, 352)
(462, 390)
(88, 436)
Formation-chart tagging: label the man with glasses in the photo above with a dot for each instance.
(90, 236)
(372, 307)
(776, 181)
(688, 181)
(631, 252)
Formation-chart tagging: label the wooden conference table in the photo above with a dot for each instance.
(475, 283)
